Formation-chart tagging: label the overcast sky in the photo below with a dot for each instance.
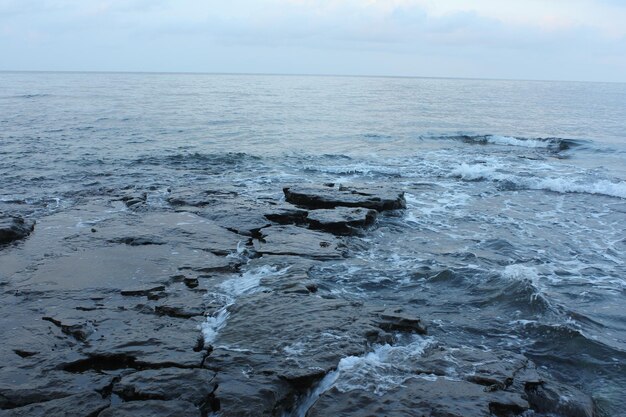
(520, 39)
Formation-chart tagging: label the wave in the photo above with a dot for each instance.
(34, 95)
(198, 160)
(554, 144)
(483, 172)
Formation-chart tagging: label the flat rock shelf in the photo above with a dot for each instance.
(207, 306)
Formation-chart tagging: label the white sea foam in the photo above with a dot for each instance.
(213, 324)
(513, 141)
(566, 185)
(378, 371)
(519, 272)
(574, 183)
(474, 172)
(249, 281)
(246, 283)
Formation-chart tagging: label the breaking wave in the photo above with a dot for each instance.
(484, 172)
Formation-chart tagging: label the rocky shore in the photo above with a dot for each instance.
(206, 307)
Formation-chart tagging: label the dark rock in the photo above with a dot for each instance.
(244, 218)
(124, 338)
(271, 349)
(22, 386)
(288, 216)
(192, 385)
(136, 200)
(321, 197)
(185, 304)
(14, 228)
(191, 282)
(79, 330)
(247, 387)
(454, 382)
(142, 292)
(397, 321)
(152, 408)
(84, 404)
(195, 198)
(554, 398)
(292, 240)
(137, 241)
(341, 220)
(420, 397)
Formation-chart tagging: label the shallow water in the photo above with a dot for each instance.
(514, 235)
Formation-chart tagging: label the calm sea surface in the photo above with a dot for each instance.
(516, 190)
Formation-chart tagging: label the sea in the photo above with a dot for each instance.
(514, 235)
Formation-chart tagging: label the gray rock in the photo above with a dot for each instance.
(456, 382)
(323, 197)
(293, 240)
(554, 398)
(22, 386)
(277, 345)
(420, 397)
(184, 303)
(288, 216)
(192, 385)
(84, 404)
(152, 408)
(194, 198)
(14, 228)
(125, 338)
(341, 220)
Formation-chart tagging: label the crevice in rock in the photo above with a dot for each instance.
(140, 292)
(75, 331)
(136, 241)
(210, 404)
(24, 353)
(115, 362)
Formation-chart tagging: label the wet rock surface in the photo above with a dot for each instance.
(293, 240)
(212, 305)
(460, 383)
(14, 228)
(341, 220)
(84, 404)
(331, 196)
(151, 408)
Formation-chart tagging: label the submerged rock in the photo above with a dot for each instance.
(325, 197)
(14, 228)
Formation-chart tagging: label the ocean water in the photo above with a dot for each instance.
(514, 236)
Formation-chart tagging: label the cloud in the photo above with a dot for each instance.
(498, 38)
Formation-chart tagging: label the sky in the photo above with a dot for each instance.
(512, 39)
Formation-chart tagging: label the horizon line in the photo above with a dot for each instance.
(306, 75)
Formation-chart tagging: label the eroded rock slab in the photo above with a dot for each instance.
(324, 197)
(277, 345)
(341, 220)
(22, 386)
(420, 397)
(14, 228)
(83, 404)
(193, 385)
(293, 240)
(152, 408)
(461, 382)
